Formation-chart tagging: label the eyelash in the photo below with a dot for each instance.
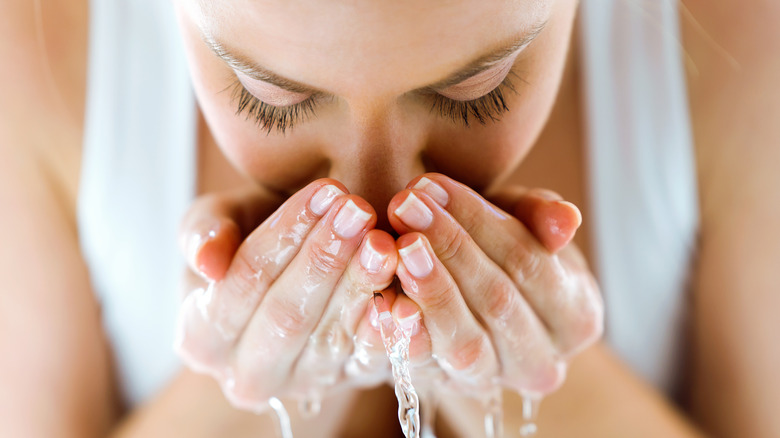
(490, 106)
(268, 117)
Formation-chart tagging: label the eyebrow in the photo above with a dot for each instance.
(246, 66)
(485, 62)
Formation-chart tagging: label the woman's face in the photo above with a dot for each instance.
(373, 93)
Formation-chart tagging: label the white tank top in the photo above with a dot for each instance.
(139, 165)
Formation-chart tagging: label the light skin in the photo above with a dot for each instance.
(60, 381)
(510, 332)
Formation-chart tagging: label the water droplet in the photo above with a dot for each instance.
(528, 429)
(494, 413)
(283, 419)
(530, 411)
(310, 406)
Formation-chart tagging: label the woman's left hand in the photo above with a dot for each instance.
(502, 297)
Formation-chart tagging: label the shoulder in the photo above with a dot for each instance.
(43, 46)
(733, 69)
(732, 53)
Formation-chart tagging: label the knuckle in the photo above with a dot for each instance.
(549, 377)
(467, 356)
(357, 287)
(324, 262)
(472, 220)
(286, 319)
(523, 264)
(332, 343)
(249, 271)
(439, 296)
(501, 301)
(452, 241)
(588, 327)
(586, 323)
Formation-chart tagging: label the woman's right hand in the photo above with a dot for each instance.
(279, 319)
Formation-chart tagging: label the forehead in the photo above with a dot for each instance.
(350, 46)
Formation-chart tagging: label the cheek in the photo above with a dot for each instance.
(484, 155)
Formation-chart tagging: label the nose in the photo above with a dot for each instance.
(384, 154)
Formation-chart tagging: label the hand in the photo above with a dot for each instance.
(496, 303)
(275, 315)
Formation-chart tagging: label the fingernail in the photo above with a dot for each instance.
(414, 213)
(350, 220)
(373, 317)
(323, 199)
(574, 208)
(416, 259)
(410, 324)
(385, 320)
(371, 259)
(548, 195)
(433, 190)
(197, 240)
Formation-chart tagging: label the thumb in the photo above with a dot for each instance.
(215, 225)
(552, 220)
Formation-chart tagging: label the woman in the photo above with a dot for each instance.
(371, 96)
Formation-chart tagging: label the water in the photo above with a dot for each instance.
(310, 406)
(494, 413)
(428, 409)
(530, 411)
(396, 343)
(283, 419)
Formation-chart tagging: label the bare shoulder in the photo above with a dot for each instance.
(42, 83)
(734, 93)
(733, 64)
(55, 371)
(733, 69)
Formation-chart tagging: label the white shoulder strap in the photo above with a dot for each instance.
(137, 178)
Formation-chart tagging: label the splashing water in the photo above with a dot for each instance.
(396, 343)
(494, 414)
(530, 410)
(282, 417)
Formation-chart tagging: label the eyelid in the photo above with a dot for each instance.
(482, 83)
(269, 93)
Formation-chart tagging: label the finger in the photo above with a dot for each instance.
(295, 302)
(227, 305)
(368, 363)
(558, 289)
(211, 247)
(214, 225)
(195, 342)
(371, 269)
(408, 317)
(461, 346)
(551, 219)
(524, 347)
